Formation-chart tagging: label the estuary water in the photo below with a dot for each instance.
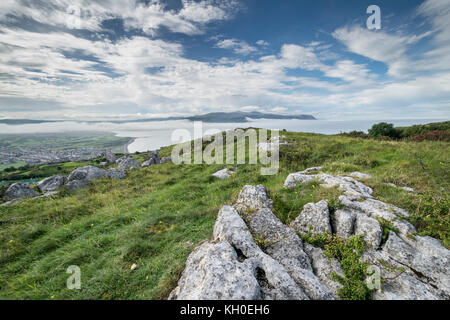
(156, 134)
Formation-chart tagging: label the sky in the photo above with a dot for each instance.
(127, 59)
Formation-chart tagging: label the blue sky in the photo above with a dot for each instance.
(62, 59)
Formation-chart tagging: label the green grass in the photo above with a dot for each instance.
(157, 216)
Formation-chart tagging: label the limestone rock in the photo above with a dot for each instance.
(399, 281)
(377, 209)
(344, 223)
(315, 217)
(213, 272)
(114, 173)
(324, 268)
(310, 170)
(360, 175)
(129, 164)
(110, 157)
(87, 173)
(153, 159)
(370, 229)
(426, 256)
(20, 190)
(350, 186)
(77, 184)
(283, 244)
(296, 178)
(51, 183)
(166, 160)
(277, 284)
(253, 198)
(223, 174)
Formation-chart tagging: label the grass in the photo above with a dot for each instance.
(157, 216)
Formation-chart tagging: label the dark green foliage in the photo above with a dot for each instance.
(348, 253)
(383, 129)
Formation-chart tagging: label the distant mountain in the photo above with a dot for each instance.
(224, 117)
(214, 117)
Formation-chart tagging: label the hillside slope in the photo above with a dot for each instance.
(158, 215)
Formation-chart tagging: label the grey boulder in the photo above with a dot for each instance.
(253, 198)
(87, 173)
(52, 183)
(110, 157)
(129, 164)
(20, 190)
(77, 184)
(314, 218)
(114, 173)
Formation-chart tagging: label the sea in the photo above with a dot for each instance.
(153, 135)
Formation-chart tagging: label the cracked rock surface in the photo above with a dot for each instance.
(253, 255)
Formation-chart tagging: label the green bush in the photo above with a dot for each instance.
(383, 129)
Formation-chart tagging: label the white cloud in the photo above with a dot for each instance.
(238, 46)
(262, 43)
(89, 15)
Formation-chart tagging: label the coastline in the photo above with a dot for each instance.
(125, 147)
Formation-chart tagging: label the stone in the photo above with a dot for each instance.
(399, 281)
(114, 173)
(20, 190)
(408, 189)
(324, 268)
(166, 160)
(310, 170)
(110, 157)
(52, 183)
(223, 174)
(297, 178)
(119, 160)
(377, 209)
(360, 175)
(213, 272)
(344, 223)
(425, 256)
(77, 184)
(153, 159)
(314, 218)
(351, 187)
(87, 173)
(277, 283)
(129, 164)
(370, 229)
(253, 198)
(284, 245)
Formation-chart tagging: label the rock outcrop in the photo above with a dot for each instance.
(223, 174)
(253, 255)
(128, 164)
(110, 157)
(153, 159)
(52, 183)
(314, 218)
(20, 191)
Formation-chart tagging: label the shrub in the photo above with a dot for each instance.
(355, 134)
(383, 129)
(437, 135)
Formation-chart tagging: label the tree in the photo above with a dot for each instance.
(383, 129)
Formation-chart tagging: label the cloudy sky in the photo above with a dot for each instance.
(132, 58)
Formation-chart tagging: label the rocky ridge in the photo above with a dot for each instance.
(253, 255)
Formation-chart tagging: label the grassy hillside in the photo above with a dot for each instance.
(156, 216)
